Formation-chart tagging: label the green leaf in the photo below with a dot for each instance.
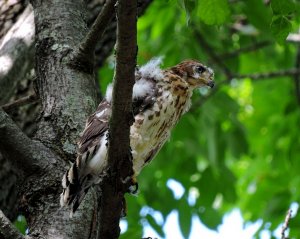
(208, 188)
(21, 224)
(182, 4)
(185, 217)
(237, 142)
(280, 28)
(213, 12)
(210, 217)
(258, 15)
(282, 7)
(155, 226)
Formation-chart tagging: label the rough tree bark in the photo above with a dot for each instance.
(68, 96)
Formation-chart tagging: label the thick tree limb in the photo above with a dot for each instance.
(20, 149)
(9, 177)
(10, 12)
(7, 230)
(65, 119)
(107, 42)
(119, 158)
(68, 95)
(86, 49)
(15, 50)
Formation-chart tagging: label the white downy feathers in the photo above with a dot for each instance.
(142, 86)
(152, 69)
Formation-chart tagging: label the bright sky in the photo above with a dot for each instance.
(232, 227)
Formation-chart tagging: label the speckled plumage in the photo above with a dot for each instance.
(160, 98)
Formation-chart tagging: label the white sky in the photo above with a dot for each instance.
(232, 227)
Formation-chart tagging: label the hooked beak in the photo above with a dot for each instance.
(211, 83)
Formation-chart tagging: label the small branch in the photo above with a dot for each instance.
(250, 48)
(119, 158)
(7, 230)
(286, 224)
(89, 43)
(84, 56)
(211, 52)
(255, 77)
(297, 76)
(20, 102)
(274, 74)
(21, 150)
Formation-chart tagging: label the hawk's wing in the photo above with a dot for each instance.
(79, 178)
(96, 125)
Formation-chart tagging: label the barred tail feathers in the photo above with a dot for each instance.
(85, 172)
(74, 188)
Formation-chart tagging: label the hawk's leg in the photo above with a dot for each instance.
(134, 186)
(124, 208)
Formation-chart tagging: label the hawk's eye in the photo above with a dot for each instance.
(200, 69)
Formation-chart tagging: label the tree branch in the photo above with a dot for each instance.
(20, 149)
(119, 158)
(267, 75)
(285, 225)
(86, 49)
(211, 52)
(250, 48)
(294, 72)
(297, 76)
(7, 230)
(108, 40)
(20, 102)
(15, 50)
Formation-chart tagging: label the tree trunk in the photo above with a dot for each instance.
(67, 96)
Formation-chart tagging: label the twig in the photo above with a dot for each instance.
(297, 76)
(21, 150)
(273, 74)
(20, 102)
(253, 47)
(286, 224)
(119, 158)
(7, 230)
(254, 76)
(211, 52)
(84, 55)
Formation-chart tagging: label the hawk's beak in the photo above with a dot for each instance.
(211, 83)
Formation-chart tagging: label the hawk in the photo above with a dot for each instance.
(160, 98)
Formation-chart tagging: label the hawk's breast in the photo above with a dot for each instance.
(152, 127)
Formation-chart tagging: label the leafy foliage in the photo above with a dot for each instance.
(239, 147)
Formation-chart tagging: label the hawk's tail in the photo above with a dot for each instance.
(74, 188)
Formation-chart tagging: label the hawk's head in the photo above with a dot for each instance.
(195, 73)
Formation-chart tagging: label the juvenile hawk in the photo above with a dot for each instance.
(160, 98)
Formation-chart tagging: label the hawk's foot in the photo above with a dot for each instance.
(134, 187)
(124, 208)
